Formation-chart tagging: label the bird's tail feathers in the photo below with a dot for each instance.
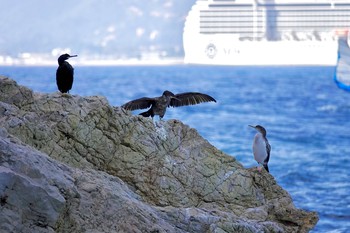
(266, 167)
(146, 114)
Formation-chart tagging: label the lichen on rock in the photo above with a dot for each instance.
(77, 164)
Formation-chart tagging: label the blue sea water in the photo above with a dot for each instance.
(306, 116)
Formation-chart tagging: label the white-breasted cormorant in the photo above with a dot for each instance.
(64, 73)
(168, 99)
(261, 147)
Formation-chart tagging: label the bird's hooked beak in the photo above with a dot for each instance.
(173, 97)
(73, 55)
(252, 126)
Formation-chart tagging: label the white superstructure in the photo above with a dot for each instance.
(265, 32)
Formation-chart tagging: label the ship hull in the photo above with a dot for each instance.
(227, 50)
(264, 32)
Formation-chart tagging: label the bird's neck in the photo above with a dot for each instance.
(166, 99)
(259, 136)
(61, 62)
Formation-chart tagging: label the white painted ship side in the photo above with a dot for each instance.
(266, 32)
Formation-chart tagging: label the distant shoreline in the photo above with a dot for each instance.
(97, 62)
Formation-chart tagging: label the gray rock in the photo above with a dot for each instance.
(109, 171)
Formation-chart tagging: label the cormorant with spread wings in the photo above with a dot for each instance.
(168, 99)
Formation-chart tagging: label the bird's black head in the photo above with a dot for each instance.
(168, 93)
(259, 128)
(64, 57)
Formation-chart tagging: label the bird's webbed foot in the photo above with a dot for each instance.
(66, 95)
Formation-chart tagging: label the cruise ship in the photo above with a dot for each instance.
(266, 32)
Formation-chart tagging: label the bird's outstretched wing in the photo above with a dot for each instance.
(141, 103)
(190, 98)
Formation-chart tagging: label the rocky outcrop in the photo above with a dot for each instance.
(77, 164)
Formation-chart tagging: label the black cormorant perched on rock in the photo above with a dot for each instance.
(64, 73)
(261, 147)
(168, 99)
